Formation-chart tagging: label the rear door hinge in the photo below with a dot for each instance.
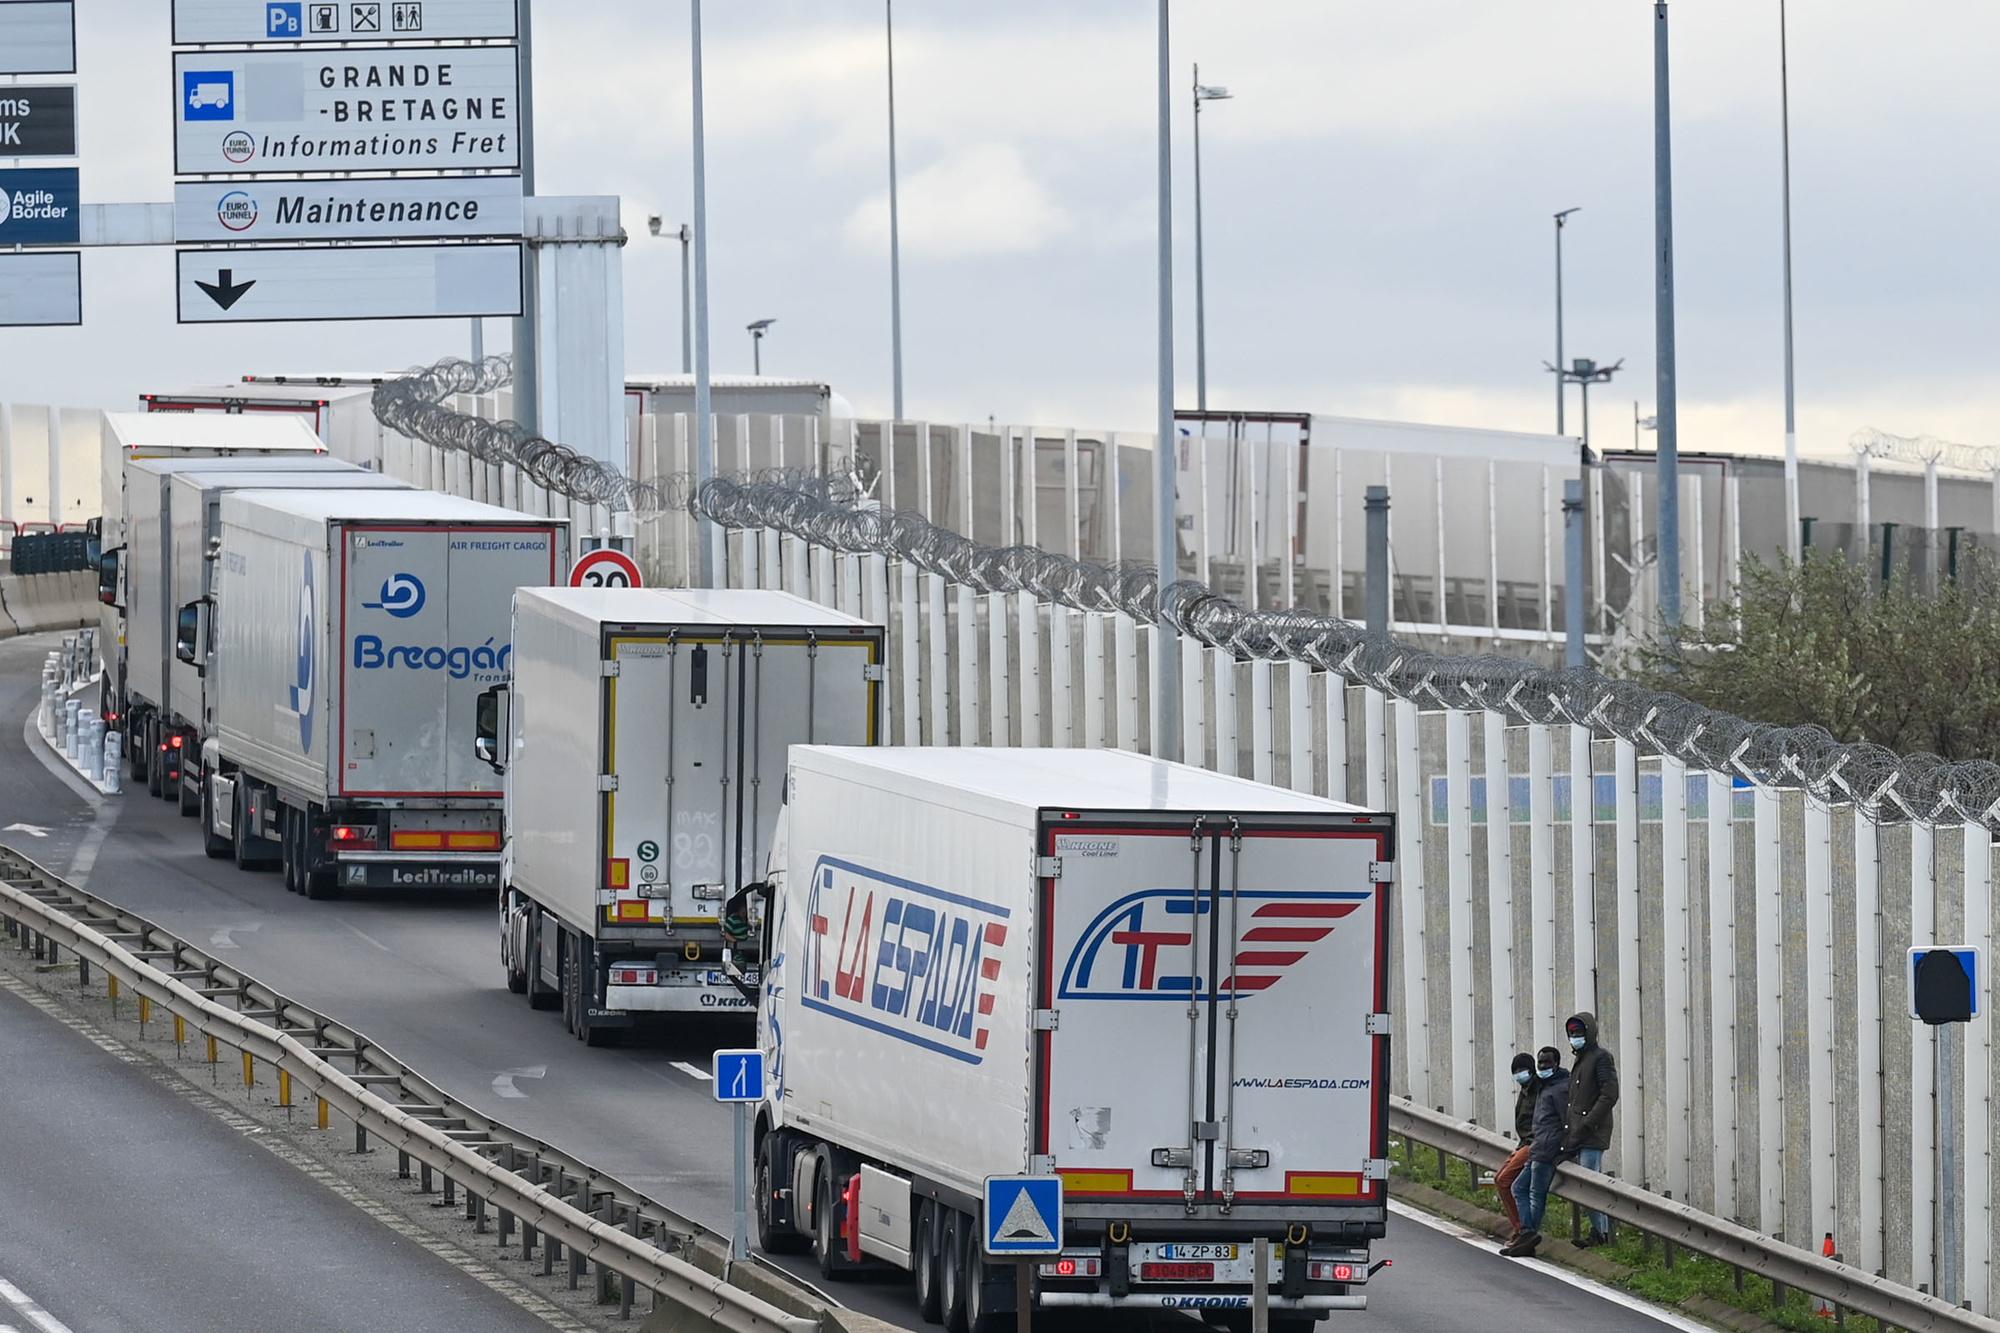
(1041, 1164)
(1378, 1025)
(1045, 1020)
(874, 671)
(607, 782)
(1375, 1168)
(609, 668)
(1048, 867)
(1381, 872)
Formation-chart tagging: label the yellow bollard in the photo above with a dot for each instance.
(145, 1010)
(113, 981)
(249, 1070)
(322, 1113)
(180, 1030)
(212, 1056)
(285, 1088)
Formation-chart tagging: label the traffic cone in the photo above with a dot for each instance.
(1820, 1305)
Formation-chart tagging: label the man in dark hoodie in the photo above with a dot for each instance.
(1593, 1091)
(1531, 1190)
(1524, 1135)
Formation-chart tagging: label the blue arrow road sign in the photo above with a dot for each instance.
(739, 1076)
(1023, 1215)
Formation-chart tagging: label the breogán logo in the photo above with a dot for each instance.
(908, 960)
(1137, 948)
(305, 687)
(402, 596)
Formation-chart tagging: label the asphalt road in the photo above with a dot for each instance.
(124, 1205)
(421, 976)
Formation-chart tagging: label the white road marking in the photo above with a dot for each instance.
(699, 1075)
(27, 1309)
(85, 859)
(1484, 1242)
(223, 937)
(367, 938)
(503, 1083)
(32, 830)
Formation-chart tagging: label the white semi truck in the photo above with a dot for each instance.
(139, 456)
(643, 737)
(1165, 986)
(356, 630)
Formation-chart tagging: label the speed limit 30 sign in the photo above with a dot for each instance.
(605, 569)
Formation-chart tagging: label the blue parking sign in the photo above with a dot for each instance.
(284, 18)
(208, 94)
(739, 1076)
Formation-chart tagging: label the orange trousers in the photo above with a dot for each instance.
(1503, 1181)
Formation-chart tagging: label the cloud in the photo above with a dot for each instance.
(979, 201)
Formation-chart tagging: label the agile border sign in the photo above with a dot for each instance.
(386, 108)
(37, 37)
(40, 206)
(234, 22)
(404, 207)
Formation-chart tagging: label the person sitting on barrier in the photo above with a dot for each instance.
(1593, 1091)
(1524, 1134)
(1531, 1187)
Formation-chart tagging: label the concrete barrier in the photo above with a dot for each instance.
(34, 603)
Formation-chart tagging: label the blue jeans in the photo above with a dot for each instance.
(1592, 1159)
(1531, 1193)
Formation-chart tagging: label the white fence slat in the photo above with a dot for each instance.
(1062, 715)
(1632, 1036)
(1679, 963)
(1298, 727)
(1722, 1059)
(1923, 1069)
(1260, 719)
(1822, 1089)
(1977, 1159)
(1769, 958)
(1411, 814)
(1460, 962)
(1865, 1232)
(1335, 689)
(1501, 908)
(1545, 1021)
(1027, 628)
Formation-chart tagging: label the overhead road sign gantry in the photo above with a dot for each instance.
(41, 288)
(276, 111)
(287, 283)
(237, 22)
(392, 208)
(38, 120)
(37, 37)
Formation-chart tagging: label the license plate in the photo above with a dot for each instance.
(1179, 1271)
(1197, 1250)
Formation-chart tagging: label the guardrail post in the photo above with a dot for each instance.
(551, 1251)
(249, 1072)
(324, 1113)
(476, 1208)
(285, 1089)
(527, 1241)
(450, 1191)
(506, 1228)
(402, 1165)
(575, 1267)
(423, 1177)
(180, 1035)
(82, 972)
(360, 1139)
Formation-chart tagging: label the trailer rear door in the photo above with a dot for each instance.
(1213, 984)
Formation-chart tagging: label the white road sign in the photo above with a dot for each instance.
(349, 282)
(40, 287)
(281, 112)
(231, 22)
(37, 37)
(403, 208)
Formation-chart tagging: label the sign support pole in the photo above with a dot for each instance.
(1260, 1286)
(1951, 1217)
(739, 1244)
(1024, 1295)
(527, 372)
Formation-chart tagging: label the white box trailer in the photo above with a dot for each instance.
(194, 536)
(1166, 986)
(130, 440)
(357, 630)
(644, 733)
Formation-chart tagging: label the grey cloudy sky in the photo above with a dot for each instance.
(1378, 207)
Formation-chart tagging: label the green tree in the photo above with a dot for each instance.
(1899, 665)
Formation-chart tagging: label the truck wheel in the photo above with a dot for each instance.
(829, 1247)
(587, 1032)
(135, 749)
(211, 842)
(772, 1238)
(315, 882)
(924, 1263)
(249, 856)
(190, 804)
(951, 1267)
(517, 977)
(155, 762)
(982, 1304)
(287, 858)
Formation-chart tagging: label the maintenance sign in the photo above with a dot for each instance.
(233, 22)
(282, 111)
(37, 37)
(402, 208)
(38, 120)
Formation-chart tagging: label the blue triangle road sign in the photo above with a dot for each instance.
(1023, 1215)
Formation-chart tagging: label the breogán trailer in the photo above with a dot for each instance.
(643, 734)
(357, 629)
(1166, 986)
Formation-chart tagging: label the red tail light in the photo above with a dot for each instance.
(353, 837)
(175, 742)
(851, 1196)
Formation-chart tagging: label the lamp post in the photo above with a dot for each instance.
(1561, 393)
(1792, 534)
(1202, 93)
(1166, 552)
(895, 227)
(757, 328)
(707, 559)
(1667, 465)
(657, 225)
(1585, 372)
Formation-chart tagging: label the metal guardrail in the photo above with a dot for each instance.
(1842, 1285)
(593, 1217)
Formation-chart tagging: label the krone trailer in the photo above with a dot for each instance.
(1166, 987)
(643, 736)
(357, 629)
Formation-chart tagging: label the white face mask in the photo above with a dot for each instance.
(1546, 1073)
(1523, 1077)
(1576, 1043)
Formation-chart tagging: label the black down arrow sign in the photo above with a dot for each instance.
(225, 291)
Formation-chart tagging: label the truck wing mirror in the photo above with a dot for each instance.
(188, 626)
(490, 727)
(107, 576)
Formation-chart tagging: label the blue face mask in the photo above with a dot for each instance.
(1523, 1077)
(1546, 1073)
(1576, 1043)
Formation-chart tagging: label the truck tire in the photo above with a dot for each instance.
(249, 855)
(924, 1267)
(135, 748)
(539, 996)
(212, 843)
(155, 762)
(288, 861)
(984, 1292)
(952, 1239)
(829, 1248)
(772, 1236)
(315, 882)
(190, 804)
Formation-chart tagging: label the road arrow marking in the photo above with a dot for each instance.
(225, 291)
(503, 1084)
(224, 937)
(32, 830)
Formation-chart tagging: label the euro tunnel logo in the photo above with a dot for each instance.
(304, 686)
(1142, 947)
(402, 596)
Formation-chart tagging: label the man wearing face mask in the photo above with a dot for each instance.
(1531, 1189)
(1593, 1091)
(1524, 1135)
